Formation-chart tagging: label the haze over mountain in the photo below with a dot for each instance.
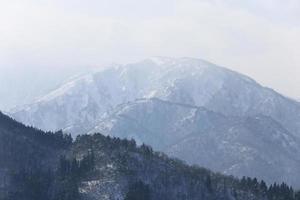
(243, 122)
(20, 86)
(255, 37)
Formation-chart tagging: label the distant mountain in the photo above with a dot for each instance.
(254, 146)
(47, 166)
(78, 104)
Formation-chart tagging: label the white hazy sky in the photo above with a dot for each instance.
(260, 38)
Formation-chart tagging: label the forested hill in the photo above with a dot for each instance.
(122, 169)
(12, 128)
(26, 149)
(35, 165)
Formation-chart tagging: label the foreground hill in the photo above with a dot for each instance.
(25, 148)
(98, 167)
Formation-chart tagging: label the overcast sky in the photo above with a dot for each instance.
(260, 38)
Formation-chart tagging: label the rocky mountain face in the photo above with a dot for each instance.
(200, 111)
(98, 167)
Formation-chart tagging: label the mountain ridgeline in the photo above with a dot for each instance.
(187, 108)
(37, 165)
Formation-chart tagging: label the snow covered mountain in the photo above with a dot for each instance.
(188, 108)
(77, 105)
(253, 146)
